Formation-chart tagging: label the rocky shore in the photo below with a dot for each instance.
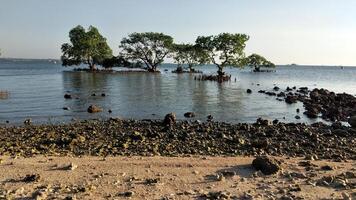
(170, 138)
(319, 102)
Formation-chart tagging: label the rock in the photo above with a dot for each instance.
(93, 95)
(271, 93)
(311, 114)
(103, 94)
(189, 114)
(94, 109)
(210, 117)
(276, 88)
(249, 91)
(31, 178)
(326, 168)
(67, 96)
(71, 166)
(28, 121)
(216, 195)
(340, 132)
(126, 194)
(266, 165)
(109, 111)
(281, 94)
(352, 121)
(264, 122)
(297, 117)
(170, 119)
(297, 110)
(66, 108)
(291, 99)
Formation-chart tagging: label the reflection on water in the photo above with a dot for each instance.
(37, 91)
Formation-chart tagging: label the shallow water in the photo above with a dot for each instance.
(36, 90)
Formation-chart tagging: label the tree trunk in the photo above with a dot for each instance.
(92, 67)
(191, 68)
(257, 68)
(220, 71)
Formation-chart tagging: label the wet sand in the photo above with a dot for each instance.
(194, 177)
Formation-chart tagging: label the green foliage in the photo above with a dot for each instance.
(87, 47)
(188, 54)
(258, 61)
(119, 61)
(225, 49)
(150, 48)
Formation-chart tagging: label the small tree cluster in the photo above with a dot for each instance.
(150, 49)
(257, 61)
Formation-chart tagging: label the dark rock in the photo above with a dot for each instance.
(281, 94)
(297, 117)
(210, 117)
(266, 165)
(93, 95)
(352, 121)
(271, 93)
(340, 132)
(291, 99)
(249, 91)
(170, 119)
(126, 194)
(67, 96)
(261, 91)
(311, 114)
(66, 108)
(31, 178)
(276, 88)
(103, 94)
(264, 122)
(110, 111)
(275, 121)
(28, 121)
(297, 110)
(189, 114)
(94, 109)
(326, 168)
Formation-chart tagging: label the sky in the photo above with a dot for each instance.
(315, 32)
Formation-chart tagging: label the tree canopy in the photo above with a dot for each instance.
(225, 49)
(188, 54)
(151, 48)
(258, 61)
(87, 47)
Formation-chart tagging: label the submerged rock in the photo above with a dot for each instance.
(67, 96)
(94, 109)
(189, 114)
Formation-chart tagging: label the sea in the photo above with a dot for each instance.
(35, 89)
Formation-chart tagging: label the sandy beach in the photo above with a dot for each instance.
(194, 177)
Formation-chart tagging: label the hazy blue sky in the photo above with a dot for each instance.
(285, 31)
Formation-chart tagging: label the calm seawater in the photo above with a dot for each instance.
(37, 87)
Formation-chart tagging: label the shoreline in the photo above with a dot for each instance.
(117, 137)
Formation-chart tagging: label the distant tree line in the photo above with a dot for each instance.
(148, 50)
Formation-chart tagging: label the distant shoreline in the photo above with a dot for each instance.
(168, 63)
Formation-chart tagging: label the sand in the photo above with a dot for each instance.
(165, 178)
